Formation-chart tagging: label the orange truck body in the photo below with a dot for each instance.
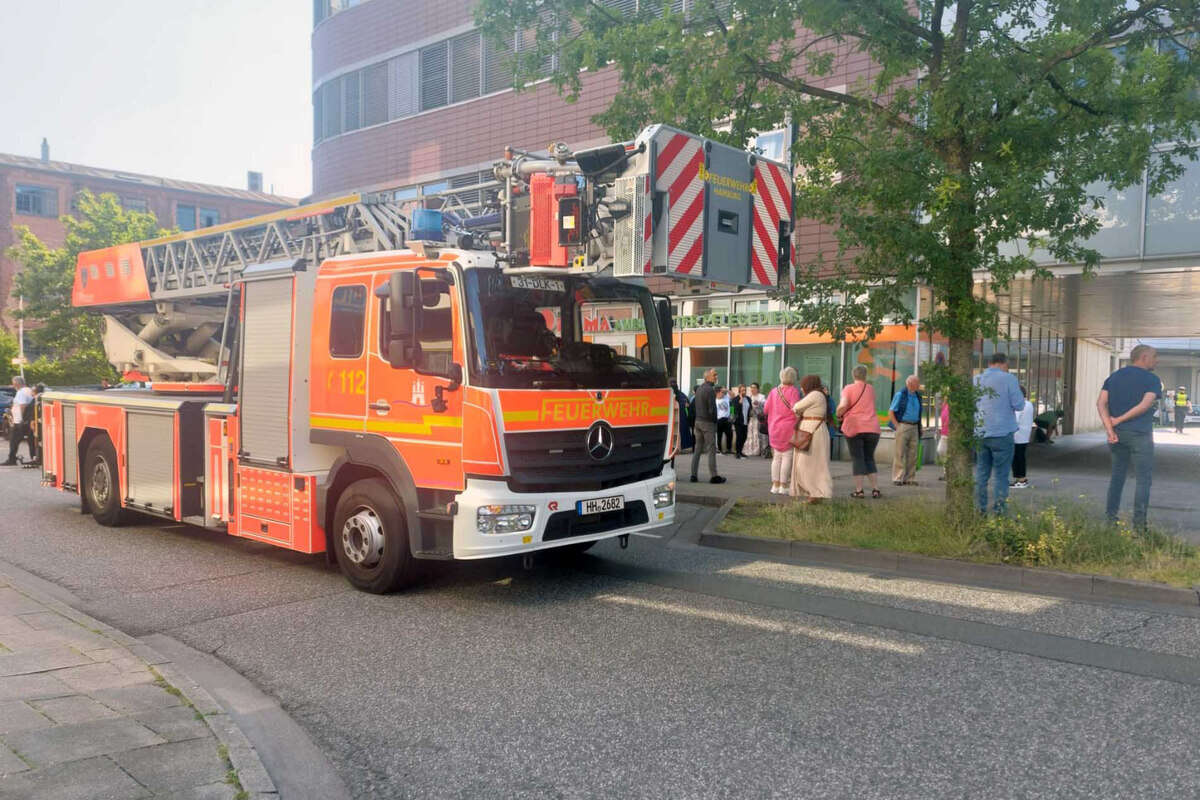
(313, 409)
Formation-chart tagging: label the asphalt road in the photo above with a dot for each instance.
(666, 670)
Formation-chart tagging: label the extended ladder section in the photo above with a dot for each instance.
(206, 261)
(167, 301)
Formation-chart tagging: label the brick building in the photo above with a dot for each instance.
(36, 192)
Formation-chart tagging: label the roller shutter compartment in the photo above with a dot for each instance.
(151, 461)
(266, 372)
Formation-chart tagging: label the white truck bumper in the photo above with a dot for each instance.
(470, 543)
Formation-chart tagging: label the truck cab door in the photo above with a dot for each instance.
(403, 404)
(340, 353)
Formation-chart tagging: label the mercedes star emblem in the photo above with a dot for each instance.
(600, 440)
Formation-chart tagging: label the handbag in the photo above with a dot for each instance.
(801, 440)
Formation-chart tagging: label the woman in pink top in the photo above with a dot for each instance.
(860, 426)
(781, 421)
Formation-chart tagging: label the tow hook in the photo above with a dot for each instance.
(624, 540)
(527, 561)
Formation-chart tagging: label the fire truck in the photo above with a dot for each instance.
(387, 385)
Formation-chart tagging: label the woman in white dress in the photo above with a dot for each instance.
(810, 468)
(756, 434)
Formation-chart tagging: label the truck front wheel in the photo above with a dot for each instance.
(102, 483)
(370, 538)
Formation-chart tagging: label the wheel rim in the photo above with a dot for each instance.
(362, 537)
(101, 483)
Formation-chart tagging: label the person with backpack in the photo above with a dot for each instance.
(904, 416)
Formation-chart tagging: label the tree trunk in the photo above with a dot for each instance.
(959, 480)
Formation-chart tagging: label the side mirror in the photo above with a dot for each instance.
(666, 325)
(404, 317)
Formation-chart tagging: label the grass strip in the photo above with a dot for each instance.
(1062, 537)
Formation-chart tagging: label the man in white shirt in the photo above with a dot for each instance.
(22, 413)
(1021, 443)
(724, 424)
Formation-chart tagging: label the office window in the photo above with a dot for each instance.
(346, 319)
(37, 201)
(433, 76)
(331, 103)
(465, 74)
(750, 306)
(375, 94)
(185, 217)
(318, 122)
(352, 110)
(207, 217)
(135, 204)
(497, 71)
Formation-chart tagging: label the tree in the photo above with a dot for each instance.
(69, 337)
(981, 124)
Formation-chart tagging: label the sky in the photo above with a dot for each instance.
(199, 90)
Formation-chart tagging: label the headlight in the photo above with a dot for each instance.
(664, 495)
(504, 519)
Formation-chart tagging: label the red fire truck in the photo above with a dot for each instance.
(325, 382)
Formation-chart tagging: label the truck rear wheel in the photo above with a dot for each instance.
(102, 483)
(370, 538)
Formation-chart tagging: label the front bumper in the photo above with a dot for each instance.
(470, 543)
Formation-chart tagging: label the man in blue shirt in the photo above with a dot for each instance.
(1126, 408)
(998, 397)
(905, 416)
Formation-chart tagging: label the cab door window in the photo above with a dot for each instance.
(347, 321)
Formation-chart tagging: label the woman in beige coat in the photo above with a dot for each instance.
(810, 468)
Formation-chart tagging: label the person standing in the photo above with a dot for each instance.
(683, 407)
(997, 401)
(1021, 443)
(22, 406)
(724, 426)
(904, 414)
(756, 424)
(706, 427)
(810, 467)
(781, 421)
(740, 408)
(1125, 404)
(1181, 408)
(860, 426)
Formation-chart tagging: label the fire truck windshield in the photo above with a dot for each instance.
(546, 331)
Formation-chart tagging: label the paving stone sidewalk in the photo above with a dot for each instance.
(88, 712)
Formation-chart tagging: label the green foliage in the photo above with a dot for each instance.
(1023, 114)
(69, 337)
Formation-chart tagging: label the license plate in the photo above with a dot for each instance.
(600, 504)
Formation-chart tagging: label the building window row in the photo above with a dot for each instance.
(189, 218)
(323, 9)
(450, 71)
(36, 201)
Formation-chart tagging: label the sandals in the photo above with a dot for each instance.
(876, 494)
(857, 494)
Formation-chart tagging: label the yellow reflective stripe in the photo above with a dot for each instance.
(425, 427)
(522, 416)
(659, 410)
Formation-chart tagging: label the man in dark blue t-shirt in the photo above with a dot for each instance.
(1126, 407)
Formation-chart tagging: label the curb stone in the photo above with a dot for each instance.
(1043, 581)
(251, 773)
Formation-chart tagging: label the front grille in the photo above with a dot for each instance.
(547, 461)
(565, 524)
